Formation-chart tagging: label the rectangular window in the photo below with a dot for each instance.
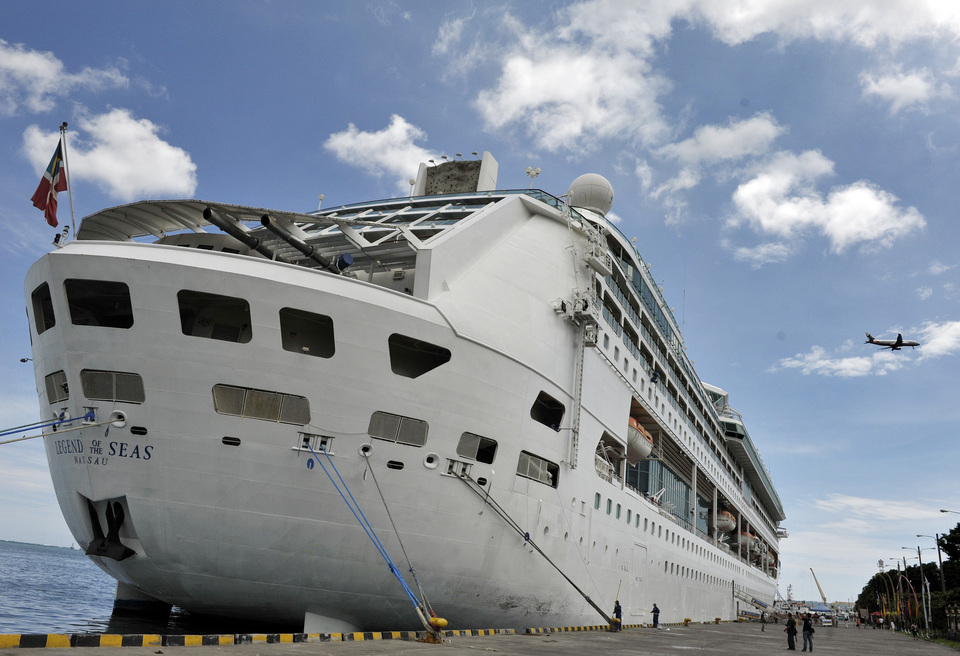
(538, 469)
(481, 449)
(306, 332)
(99, 303)
(547, 410)
(596, 501)
(112, 386)
(57, 388)
(214, 316)
(395, 428)
(261, 404)
(42, 303)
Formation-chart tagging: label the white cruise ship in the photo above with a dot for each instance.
(260, 409)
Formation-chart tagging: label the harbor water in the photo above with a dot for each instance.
(60, 590)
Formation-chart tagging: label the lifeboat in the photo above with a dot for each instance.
(726, 522)
(639, 442)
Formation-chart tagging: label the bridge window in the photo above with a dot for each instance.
(99, 303)
(43, 317)
(214, 316)
(306, 332)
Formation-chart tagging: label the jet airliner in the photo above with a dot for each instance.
(892, 344)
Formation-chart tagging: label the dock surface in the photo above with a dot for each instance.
(743, 639)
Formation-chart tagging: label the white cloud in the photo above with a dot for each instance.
(867, 24)
(591, 76)
(390, 151)
(903, 90)
(769, 253)
(873, 510)
(818, 361)
(737, 139)
(449, 34)
(123, 155)
(32, 80)
(924, 293)
(937, 268)
(781, 199)
(939, 338)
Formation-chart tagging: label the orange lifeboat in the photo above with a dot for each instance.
(726, 522)
(639, 442)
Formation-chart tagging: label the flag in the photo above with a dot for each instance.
(54, 179)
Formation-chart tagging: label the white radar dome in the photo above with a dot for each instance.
(591, 191)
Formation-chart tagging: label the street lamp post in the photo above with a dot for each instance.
(923, 588)
(936, 537)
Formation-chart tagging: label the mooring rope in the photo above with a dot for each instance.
(479, 491)
(412, 570)
(362, 519)
(419, 607)
(89, 417)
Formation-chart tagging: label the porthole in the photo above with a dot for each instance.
(366, 450)
(431, 461)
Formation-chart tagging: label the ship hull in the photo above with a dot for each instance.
(233, 515)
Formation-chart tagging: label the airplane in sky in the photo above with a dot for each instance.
(892, 344)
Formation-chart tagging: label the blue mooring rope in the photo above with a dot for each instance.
(364, 523)
(87, 417)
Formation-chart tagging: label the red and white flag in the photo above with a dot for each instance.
(54, 179)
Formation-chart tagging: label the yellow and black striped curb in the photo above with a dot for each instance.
(51, 640)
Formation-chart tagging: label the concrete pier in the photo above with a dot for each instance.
(744, 639)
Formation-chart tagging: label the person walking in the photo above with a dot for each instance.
(656, 617)
(791, 632)
(763, 620)
(807, 633)
(617, 616)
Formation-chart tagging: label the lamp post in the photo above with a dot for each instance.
(926, 617)
(950, 511)
(936, 537)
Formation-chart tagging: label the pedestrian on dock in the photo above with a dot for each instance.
(791, 632)
(763, 620)
(656, 617)
(617, 616)
(807, 633)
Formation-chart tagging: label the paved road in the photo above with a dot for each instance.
(707, 639)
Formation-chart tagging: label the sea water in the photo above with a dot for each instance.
(60, 590)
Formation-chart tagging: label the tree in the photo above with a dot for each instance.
(950, 543)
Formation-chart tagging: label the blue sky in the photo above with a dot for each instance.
(791, 170)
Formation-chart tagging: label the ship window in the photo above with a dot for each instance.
(112, 386)
(57, 388)
(629, 515)
(548, 411)
(214, 316)
(412, 357)
(306, 332)
(538, 469)
(481, 449)
(609, 505)
(43, 316)
(394, 428)
(618, 511)
(596, 501)
(261, 404)
(99, 303)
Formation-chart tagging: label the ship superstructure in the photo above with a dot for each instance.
(494, 374)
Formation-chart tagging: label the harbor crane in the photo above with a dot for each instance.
(822, 596)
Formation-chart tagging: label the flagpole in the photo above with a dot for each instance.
(66, 169)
